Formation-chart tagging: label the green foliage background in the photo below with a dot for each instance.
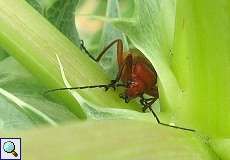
(187, 43)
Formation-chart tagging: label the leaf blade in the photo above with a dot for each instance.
(111, 140)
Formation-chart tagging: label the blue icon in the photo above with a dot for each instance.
(10, 148)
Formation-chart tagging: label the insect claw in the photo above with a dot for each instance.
(121, 95)
(145, 107)
(81, 44)
(106, 88)
(142, 101)
(113, 81)
(111, 85)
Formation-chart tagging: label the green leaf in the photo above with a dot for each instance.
(12, 118)
(201, 63)
(127, 8)
(24, 106)
(42, 5)
(115, 140)
(3, 54)
(221, 147)
(61, 14)
(22, 102)
(37, 5)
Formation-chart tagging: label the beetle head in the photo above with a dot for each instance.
(134, 89)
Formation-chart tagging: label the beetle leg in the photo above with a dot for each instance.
(125, 97)
(126, 70)
(125, 66)
(112, 84)
(119, 50)
(82, 47)
(147, 104)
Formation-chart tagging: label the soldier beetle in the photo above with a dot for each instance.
(137, 75)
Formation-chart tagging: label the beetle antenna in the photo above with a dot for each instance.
(164, 124)
(106, 86)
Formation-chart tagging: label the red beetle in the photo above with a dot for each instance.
(137, 75)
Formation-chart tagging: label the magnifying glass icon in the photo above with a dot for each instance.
(9, 147)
